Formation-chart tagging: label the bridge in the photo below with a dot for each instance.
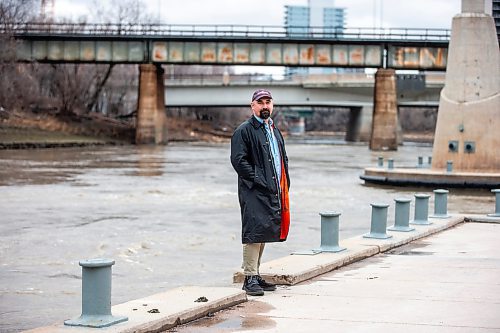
(152, 45)
(400, 48)
(297, 95)
(334, 90)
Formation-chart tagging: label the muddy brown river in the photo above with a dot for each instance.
(168, 216)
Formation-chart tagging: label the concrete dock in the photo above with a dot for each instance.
(447, 282)
(440, 278)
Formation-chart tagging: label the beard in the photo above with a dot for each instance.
(265, 113)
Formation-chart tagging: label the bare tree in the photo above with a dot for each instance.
(15, 11)
(12, 12)
(87, 88)
(16, 86)
(122, 14)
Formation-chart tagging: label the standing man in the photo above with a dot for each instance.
(259, 157)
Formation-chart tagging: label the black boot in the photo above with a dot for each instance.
(265, 285)
(251, 286)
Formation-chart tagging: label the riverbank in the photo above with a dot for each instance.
(26, 130)
(21, 130)
(25, 138)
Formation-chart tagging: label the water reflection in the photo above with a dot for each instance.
(38, 167)
(150, 161)
(51, 166)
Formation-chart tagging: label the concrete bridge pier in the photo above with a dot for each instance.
(384, 134)
(469, 108)
(151, 125)
(466, 141)
(359, 126)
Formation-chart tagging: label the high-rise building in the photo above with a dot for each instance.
(297, 20)
(333, 19)
(319, 16)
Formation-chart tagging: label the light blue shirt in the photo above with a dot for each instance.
(273, 144)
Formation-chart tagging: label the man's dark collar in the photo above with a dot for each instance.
(254, 122)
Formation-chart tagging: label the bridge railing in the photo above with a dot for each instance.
(220, 31)
(222, 79)
(342, 79)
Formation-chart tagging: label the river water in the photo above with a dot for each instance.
(168, 216)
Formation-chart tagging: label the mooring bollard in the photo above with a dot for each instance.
(378, 228)
(421, 209)
(497, 203)
(96, 295)
(420, 161)
(390, 163)
(330, 232)
(402, 216)
(380, 161)
(449, 166)
(441, 204)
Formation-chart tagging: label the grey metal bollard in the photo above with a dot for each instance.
(420, 162)
(96, 295)
(402, 217)
(330, 232)
(497, 203)
(440, 204)
(449, 166)
(390, 163)
(380, 161)
(378, 228)
(421, 209)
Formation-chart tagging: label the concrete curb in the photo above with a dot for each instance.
(168, 309)
(482, 219)
(430, 177)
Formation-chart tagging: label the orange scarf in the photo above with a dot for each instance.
(285, 206)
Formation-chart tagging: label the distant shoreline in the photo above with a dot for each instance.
(33, 138)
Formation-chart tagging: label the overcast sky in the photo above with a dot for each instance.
(360, 13)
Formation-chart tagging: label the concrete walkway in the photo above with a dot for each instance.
(447, 282)
(442, 277)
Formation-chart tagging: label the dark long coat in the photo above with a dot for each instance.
(258, 190)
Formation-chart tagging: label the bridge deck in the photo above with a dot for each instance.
(232, 45)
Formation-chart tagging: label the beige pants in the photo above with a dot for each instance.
(251, 258)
